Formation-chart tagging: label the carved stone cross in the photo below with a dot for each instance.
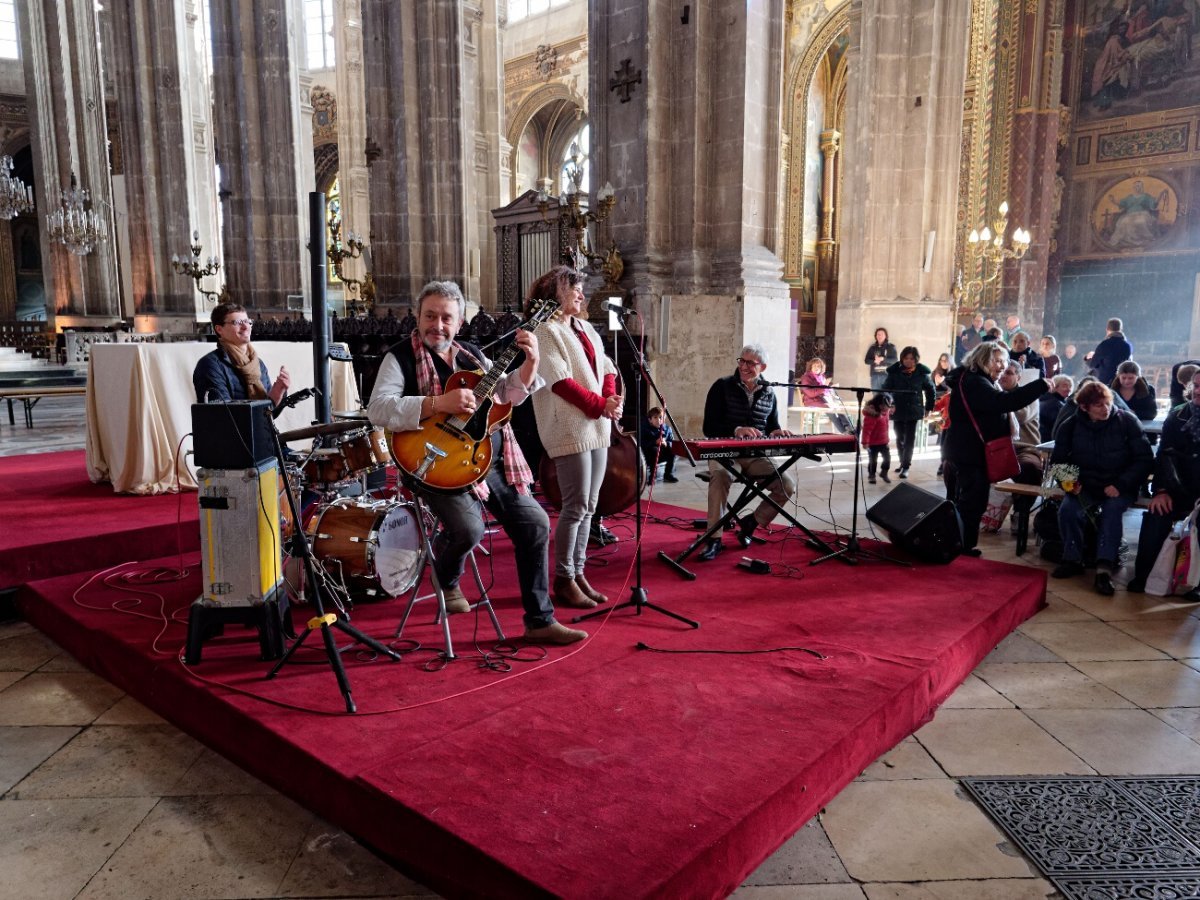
(625, 80)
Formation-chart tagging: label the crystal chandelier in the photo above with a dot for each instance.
(74, 225)
(15, 196)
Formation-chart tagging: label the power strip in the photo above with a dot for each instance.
(757, 566)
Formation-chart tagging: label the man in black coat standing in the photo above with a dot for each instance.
(1110, 353)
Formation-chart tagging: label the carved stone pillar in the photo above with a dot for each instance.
(68, 134)
(422, 139)
(8, 284)
(150, 69)
(831, 143)
(353, 175)
(685, 124)
(901, 148)
(256, 120)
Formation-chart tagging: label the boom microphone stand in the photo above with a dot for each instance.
(853, 550)
(322, 620)
(638, 596)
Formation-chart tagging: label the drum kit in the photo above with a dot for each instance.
(367, 544)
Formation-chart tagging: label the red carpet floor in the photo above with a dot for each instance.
(603, 770)
(56, 520)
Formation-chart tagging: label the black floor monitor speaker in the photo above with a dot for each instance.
(920, 523)
(233, 435)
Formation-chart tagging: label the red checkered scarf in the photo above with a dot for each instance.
(516, 469)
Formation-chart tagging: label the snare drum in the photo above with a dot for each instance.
(327, 466)
(374, 548)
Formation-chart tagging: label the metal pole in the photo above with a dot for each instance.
(320, 315)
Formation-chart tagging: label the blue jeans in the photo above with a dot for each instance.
(523, 520)
(1107, 516)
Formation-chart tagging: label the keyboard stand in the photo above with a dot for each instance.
(752, 488)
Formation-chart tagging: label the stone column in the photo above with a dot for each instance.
(483, 103)
(256, 118)
(685, 124)
(831, 143)
(150, 69)
(353, 175)
(68, 134)
(8, 283)
(414, 70)
(900, 152)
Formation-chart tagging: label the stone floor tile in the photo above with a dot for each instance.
(128, 711)
(1058, 609)
(976, 694)
(332, 864)
(63, 662)
(1185, 721)
(212, 773)
(1158, 683)
(57, 698)
(995, 742)
(7, 678)
(908, 759)
(206, 847)
(115, 761)
(25, 747)
(1019, 648)
(806, 857)
(991, 889)
(1128, 606)
(1088, 640)
(917, 831)
(1178, 636)
(799, 892)
(1048, 686)
(34, 835)
(26, 652)
(1121, 741)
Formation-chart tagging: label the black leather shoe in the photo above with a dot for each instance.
(711, 549)
(1136, 585)
(746, 528)
(1067, 569)
(1104, 584)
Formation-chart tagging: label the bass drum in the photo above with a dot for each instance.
(373, 548)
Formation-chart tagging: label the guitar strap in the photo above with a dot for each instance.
(516, 469)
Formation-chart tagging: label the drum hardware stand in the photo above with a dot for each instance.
(852, 550)
(427, 524)
(637, 598)
(322, 620)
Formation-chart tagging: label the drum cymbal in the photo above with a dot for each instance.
(312, 431)
(358, 414)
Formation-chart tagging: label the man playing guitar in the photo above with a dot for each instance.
(409, 389)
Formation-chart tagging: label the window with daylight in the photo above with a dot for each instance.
(8, 30)
(581, 144)
(318, 29)
(523, 9)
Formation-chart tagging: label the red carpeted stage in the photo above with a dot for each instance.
(603, 770)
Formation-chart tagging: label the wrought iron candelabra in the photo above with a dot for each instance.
(193, 270)
(986, 252)
(15, 196)
(575, 215)
(360, 292)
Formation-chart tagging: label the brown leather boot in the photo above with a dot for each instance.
(590, 592)
(567, 593)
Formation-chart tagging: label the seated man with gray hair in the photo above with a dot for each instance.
(742, 405)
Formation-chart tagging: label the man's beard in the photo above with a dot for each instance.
(436, 343)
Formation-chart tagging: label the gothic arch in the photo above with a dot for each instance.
(562, 115)
(799, 83)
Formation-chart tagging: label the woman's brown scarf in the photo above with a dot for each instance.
(245, 361)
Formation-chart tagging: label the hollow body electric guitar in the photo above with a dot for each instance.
(449, 453)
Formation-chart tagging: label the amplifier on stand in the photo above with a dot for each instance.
(232, 435)
(240, 556)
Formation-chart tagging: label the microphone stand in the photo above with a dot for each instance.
(853, 550)
(638, 594)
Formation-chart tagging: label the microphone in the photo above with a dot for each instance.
(613, 306)
(290, 401)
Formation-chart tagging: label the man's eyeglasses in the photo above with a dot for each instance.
(238, 323)
(748, 362)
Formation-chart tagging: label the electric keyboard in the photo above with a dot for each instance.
(732, 448)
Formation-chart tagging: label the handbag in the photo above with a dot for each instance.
(999, 454)
(1177, 567)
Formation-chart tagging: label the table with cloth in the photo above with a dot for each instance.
(139, 408)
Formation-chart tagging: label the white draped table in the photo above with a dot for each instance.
(139, 408)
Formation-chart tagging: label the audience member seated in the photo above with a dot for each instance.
(1051, 405)
(1070, 408)
(1026, 437)
(1176, 485)
(816, 393)
(1180, 379)
(1137, 393)
(1114, 458)
(1025, 354)
(1049, 350)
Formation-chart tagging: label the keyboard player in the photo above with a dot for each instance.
(742, 405)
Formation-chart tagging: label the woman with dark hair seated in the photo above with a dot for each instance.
(1137, 393)
(1113, 457)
